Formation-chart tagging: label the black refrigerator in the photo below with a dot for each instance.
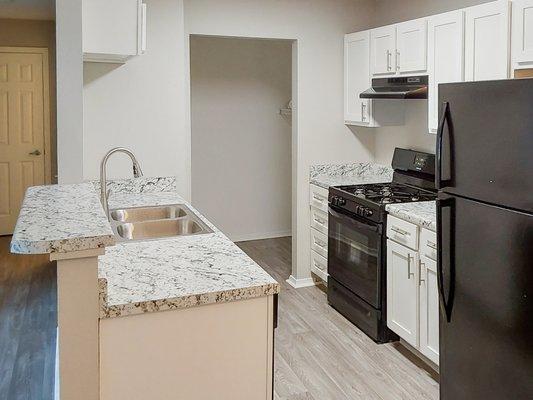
(484, 173)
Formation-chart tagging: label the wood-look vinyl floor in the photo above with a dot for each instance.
(319, 355)
(28, 321)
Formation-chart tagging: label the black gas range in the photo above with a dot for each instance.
(357, 241)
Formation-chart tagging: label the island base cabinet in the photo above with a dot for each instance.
(218, 351)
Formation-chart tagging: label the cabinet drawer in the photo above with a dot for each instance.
(402, 232)
(319, 220)
(319, 242)
(318, 262)
(428, 243)
(318, 198)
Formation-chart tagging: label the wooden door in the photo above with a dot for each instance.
(402, 292)
(522, 36)
(446, 57)
(356, 77)
(487, 41)
(411, 46)
(382, 50)
(429, 309)
(24, 125)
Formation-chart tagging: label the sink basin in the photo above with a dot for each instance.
(146, 223)
(147, 213)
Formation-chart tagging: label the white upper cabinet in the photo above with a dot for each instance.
(411, 46)
(446, 57)
(487, 31)
(113, 30)
(383, 50)
(522, 35)
(356, 77)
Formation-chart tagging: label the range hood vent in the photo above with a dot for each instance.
(408, 87)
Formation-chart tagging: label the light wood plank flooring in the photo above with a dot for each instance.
(319, 355)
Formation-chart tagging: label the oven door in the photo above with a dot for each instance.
(354, 254)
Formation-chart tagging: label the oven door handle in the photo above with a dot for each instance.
(354, 220)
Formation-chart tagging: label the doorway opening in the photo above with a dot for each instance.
(242, 137)
(27, 107)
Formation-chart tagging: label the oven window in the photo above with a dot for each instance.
(354, 252)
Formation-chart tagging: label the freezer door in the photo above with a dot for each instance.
(485, 142)
(485, 273)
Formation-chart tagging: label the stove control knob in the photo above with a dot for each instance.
(341, 201)
(368, 212)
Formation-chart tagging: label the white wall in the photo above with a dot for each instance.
(241, 146)
(69, 72)
(414, 134)
(318, 26)
(141, 104)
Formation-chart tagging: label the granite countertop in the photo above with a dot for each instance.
(327, 175)
(138, 276)
(174, 273)
(422, 213)
(61, 218)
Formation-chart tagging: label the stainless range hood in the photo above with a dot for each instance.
(408, 87)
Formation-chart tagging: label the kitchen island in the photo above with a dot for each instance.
(186, 316)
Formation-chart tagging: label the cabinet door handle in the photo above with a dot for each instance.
(432, 245)
(363, 111)
(320, 243)
(397, 60)
(399, 231)
(422, 268)
(409, 266)
(35, 153)
(388, 60)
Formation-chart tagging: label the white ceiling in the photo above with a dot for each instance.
(27, 9)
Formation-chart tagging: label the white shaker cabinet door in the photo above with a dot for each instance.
(402, 292)
(487, 31)
(522, 35)
(429, 309)
(383, 50)
(356, 77)
(411, 46)
(446, 57)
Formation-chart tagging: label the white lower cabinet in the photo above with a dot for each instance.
(318, 202)
(429, 309)
(402, 303)
(412, 292)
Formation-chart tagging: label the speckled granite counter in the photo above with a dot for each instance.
(422, 213)
(138, 276)
(327, 175)
(179, 272)
(61, 218)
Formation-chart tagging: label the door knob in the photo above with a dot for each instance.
(35, 153)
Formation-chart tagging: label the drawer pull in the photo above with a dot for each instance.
(320, 221)
(319, 198)
(400, 231)
(320, 243)
(432, 245)
(318, 265)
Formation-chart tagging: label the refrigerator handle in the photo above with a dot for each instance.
(446, 301)
(440, 132)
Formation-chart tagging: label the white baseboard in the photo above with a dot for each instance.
(300, 283)
(259, 236)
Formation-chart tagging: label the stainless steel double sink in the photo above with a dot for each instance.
(147, 223)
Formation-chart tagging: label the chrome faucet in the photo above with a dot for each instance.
(104, 194)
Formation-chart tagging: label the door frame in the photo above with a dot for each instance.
(46, 103)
